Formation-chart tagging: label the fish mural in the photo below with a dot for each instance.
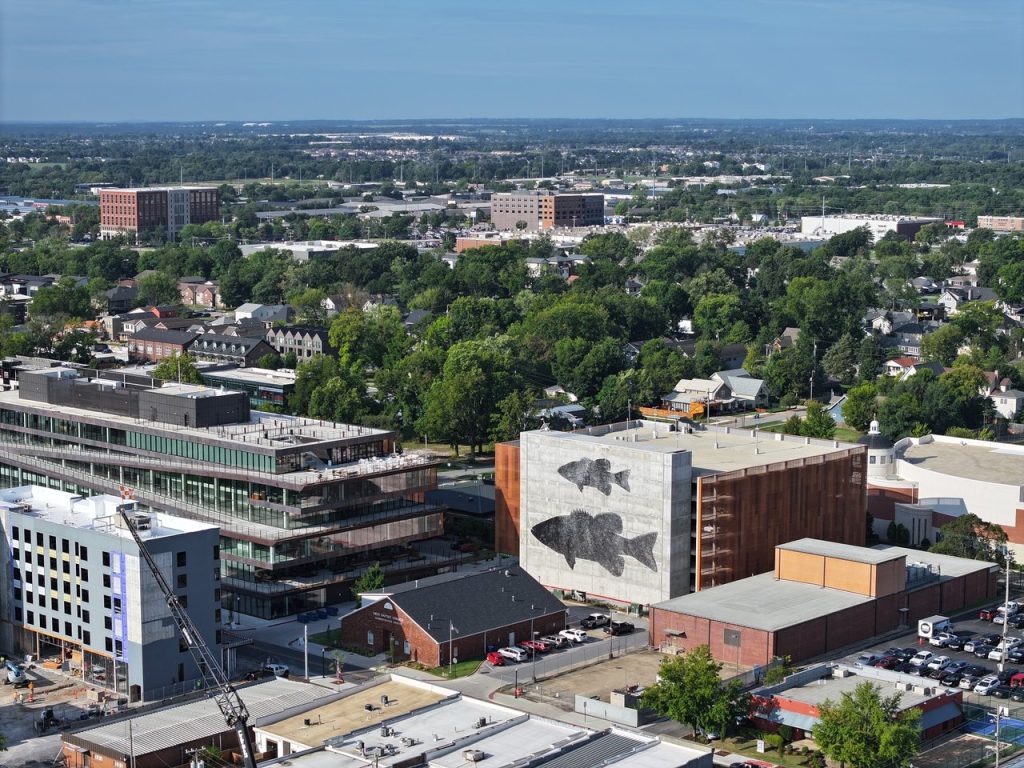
(594, 474)
(595, 537)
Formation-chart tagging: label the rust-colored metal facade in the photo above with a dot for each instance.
(506, 498)
(742, 516)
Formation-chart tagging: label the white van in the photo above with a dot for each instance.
(514, 654)
(576, 635)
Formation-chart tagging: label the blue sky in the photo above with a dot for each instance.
(119, 60)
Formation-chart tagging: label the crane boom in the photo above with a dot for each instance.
(215, 682)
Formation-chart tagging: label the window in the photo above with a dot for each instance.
(40, 560)
(107, 623)
(85, 574)
(106, 559)
(67, 587)
(84, 553)
(53, 583)
(183, 601)
(17, 613)
(53, 542)
(65, 546)
(182, 559)
(15, 534)
(31, 617)
(216, 550)
(871, 460)
(182, 581)
(85, 595)
(17, 594)
(106, 580)
(369, 638)
(39, 539)
(66, 567)
(108, 644)
(106, 601)
(53, 604)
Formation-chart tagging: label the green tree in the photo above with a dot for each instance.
(971, 537)
(270, 361)
(868, 730)
(860, 406)
(177, 367)
(690, 691)
(817, 422)
(943, 344)
(371, 580)
(158, 288)
(869, 358)
(514, 415)
(62, 298)
(840, 361)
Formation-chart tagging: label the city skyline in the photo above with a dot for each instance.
(188, 60)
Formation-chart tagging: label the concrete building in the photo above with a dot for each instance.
(303, 505)
(74, 588)
(1002, 223)
(264, 313)
(129, 211)
(931, 480)
(820, 597)
(536, 210)
(796, 701)
(264, 387)
(878, 225)
(304, 250)
(170, 735)
(454, 618)
(637, 513)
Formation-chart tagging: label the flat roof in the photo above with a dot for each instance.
(345, 715)
(714, 450)
(763, 602)
(817, 692)
(947, 566)
(661, 755)
(252, 376)
(531, 737)
(991, 463)
(97, 513)
(841, 551)
(200, 719)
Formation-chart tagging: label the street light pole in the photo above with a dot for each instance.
(533, 638)
(1006, 621)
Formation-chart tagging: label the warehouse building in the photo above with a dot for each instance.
(821, 596)
(639, 512)
(76, 592)
(445, 619)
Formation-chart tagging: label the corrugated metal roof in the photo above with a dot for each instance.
(200, 719)
(596, 752)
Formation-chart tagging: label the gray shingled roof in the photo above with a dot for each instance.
(165, 337)
(477, 603)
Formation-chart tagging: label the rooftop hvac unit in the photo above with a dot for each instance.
(481, 722)
(473, 755)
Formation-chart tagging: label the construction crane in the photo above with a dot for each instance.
(215, 682)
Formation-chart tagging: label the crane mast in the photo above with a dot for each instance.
(215, 682)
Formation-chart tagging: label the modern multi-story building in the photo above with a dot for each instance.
(531, 211)
(74, 588)
(303, 505)
(1002, 223)
(134, 210)
(643, 511)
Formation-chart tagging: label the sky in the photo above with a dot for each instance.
(276, 60)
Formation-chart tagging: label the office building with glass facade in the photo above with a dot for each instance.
(303, 505)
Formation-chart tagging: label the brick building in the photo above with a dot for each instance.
(820, 597)
(134, 210)
(304, 341)
(545, 210)
(238, 350)
(154, 344)
(199, 292)
(463, 616)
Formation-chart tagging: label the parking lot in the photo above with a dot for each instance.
(972, 630)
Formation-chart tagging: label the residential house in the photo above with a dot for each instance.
(1007, 400)
(954, 299)
(906, 338)
(882, 321)
(121, 298)
(786, 339)
(906, 366)
(374, 302)
(334, 304)
(264, 313)
(415, 318)
(304, 341)
(239, 350)
(727, 390)
(923, 285)
(198, 292)
(154, 344)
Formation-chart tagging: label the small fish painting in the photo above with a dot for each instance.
(595, 474)
(595, 537)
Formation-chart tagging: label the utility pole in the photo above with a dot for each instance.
(814, 364)
(305, 651)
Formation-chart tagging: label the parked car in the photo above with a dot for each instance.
(279, 670)
(986, 685)
(920, 658)
(1000, 692)
(595, 620)
(887, 662)
(1017, 694)
(868, 659)
(968, 681)
(987, 614)
(514, 654)
(495, 659)
(956, 666)
(941, 640)
(536, 646)
(978, 670)
(620, 628)
(905, 654)
(575, 635)
(957, 642)
(952, 678)
(1007, 674)
(982, 651)
(938, 662)
(1015, 655)
(556, 640)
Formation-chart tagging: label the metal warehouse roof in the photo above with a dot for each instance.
(196, 720)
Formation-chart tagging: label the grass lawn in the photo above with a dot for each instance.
(332, 637)
(459, 669)
(747, 746)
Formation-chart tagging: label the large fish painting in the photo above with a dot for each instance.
(595, 537)
(594, 474)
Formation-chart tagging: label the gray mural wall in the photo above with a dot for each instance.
(606, 518)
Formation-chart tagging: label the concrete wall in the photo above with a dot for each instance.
(657, 502)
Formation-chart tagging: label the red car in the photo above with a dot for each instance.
(534, 645)
(888, 662)
(987, 614)
(495, 659)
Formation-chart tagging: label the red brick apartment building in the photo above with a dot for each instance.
(130, 211)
